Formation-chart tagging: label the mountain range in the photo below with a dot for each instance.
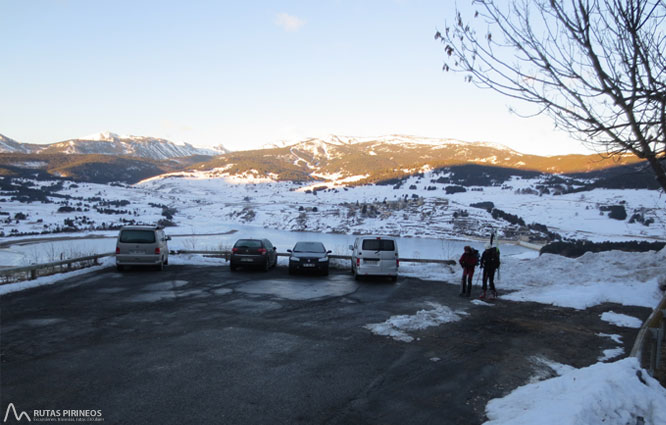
(108, 157)
(371, 160)
(107, 143)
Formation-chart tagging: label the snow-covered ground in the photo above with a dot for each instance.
(615, 393)
(206, 202)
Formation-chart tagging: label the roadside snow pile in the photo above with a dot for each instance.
(49, 280)
(397, 327)
(627, 278)
(611, 353)
(621, 320)
(196, 260)
(546, 368)
(428, 271)
(610, 393)
(481, 303)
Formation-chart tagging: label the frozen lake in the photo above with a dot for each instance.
(430, 248)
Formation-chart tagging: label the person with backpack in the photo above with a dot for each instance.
(468, 261)
(490, 261)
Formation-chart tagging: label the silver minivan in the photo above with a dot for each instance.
(142, 246)
(375, 256)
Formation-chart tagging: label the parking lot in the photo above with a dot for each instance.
(200, 344)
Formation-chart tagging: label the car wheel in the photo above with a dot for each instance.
(233, 267)
(160, 266)
(267, 266)
(324, 271)
(356, 275)
(120, 267)
(166, 262)
(292, 270)
(394, 278)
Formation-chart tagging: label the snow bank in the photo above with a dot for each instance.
(627, 278)
(196, 260)
(397, 327)
(622, 320)
(49, 280)
(605, 393)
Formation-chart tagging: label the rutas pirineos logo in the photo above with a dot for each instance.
(53, 415)
(17, 416)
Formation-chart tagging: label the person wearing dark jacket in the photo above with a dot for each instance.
(468, 262)
(490, 261)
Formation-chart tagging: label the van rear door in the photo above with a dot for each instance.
(380, 254)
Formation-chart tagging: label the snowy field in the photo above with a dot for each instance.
(209, 202)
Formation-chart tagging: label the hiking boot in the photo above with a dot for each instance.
(494, 293)
(483, 294)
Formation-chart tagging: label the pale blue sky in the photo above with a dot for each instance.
(244, 73)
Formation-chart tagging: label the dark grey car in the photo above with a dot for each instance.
(308, 256)
(253, 253)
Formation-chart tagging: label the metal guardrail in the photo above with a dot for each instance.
(226, 254)
(33, 270)
(650, 340)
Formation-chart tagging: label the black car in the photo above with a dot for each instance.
(253, 252)
(308, 256)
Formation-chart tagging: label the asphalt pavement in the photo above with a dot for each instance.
(203, 345)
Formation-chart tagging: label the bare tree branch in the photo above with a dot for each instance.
(596, 67)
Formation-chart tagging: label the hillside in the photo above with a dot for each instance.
(89, 168)
(361, 161)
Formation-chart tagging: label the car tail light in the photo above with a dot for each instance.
(358, 262)
(157, 250)
(262, 251)
(234, 250)
(397, 262)
(117, 250)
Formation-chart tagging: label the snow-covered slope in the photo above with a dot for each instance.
(420, 206)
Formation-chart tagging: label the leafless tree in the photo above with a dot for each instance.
(597, 67)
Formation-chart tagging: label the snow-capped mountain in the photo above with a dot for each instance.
(107, 143)
(391, 139)
(12, 146)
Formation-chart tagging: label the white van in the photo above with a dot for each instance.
(142, 246)
(375, 256)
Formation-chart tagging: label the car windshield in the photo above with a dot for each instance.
(137, 236)
(378, 245)
(248, 243)
(309, 247)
